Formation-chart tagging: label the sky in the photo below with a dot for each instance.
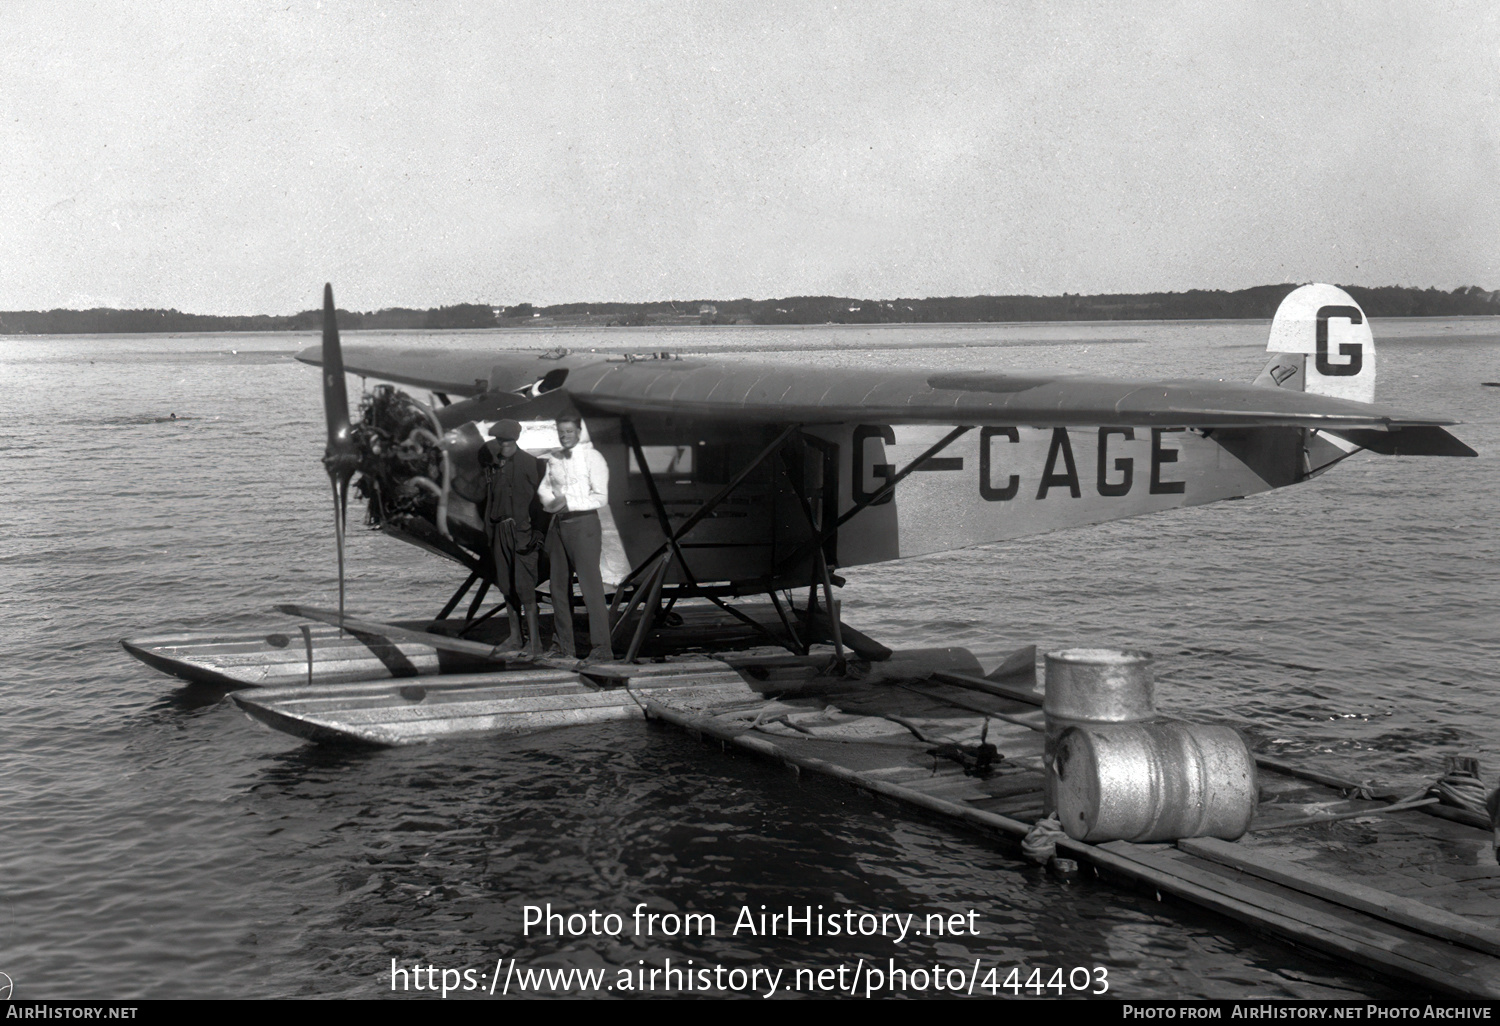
(230, 157)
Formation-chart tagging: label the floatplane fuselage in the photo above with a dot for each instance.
(731, 480)
(878, 464)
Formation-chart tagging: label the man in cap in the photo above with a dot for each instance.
(575, 486)
(511, 479)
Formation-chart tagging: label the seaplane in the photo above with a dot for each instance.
(740, 493)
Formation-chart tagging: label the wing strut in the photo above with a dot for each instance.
(702, 511)
(660, 560)
(816, 543)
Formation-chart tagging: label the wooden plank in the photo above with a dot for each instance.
(1161, 873)
(1016, 800)
(621, 673)
(1448, 812)
(1334, 817)
(1429, 919)
(1387, 951)
(1027, 809)
(989, 687)
(1010, 785)
(741, 737)
(954, 787)
(1311, 921)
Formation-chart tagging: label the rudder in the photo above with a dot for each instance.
(1325, 324)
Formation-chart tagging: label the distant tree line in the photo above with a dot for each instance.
(105, 321)
(1259, 302)
(1253, 303)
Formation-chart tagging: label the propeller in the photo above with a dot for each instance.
(341, 457)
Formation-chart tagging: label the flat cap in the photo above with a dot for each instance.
(505, 430)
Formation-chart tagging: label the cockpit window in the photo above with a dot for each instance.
(551, 381)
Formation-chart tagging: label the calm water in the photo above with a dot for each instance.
(155, 843)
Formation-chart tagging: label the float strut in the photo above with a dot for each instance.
(702, 511)
(833, 611)
(463, 589)
(791, 631)
(648, 617)
(471, 624)
(640, 591)
(484, 589)
(671, 549)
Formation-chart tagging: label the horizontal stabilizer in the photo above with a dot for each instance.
(1420, 440)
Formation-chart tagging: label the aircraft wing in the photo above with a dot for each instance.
(450, 371)
(778, 394)
(752, 392)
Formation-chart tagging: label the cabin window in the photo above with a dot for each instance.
(704, 463)
(666, 461)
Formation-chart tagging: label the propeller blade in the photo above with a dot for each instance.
(340, 502)
(341, 457)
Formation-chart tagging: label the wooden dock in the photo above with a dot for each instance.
(542, 695)
(1401, 893)
(1407, 890)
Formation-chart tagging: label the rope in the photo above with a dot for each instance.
(1460, 786)
(1041, 842)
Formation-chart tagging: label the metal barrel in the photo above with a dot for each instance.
(1085, 686)
(1154, 782)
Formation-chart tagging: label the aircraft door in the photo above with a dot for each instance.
(838, 467)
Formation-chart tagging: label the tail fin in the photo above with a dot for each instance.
(1325, 323)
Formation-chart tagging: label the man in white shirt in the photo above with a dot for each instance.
(575, 486)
